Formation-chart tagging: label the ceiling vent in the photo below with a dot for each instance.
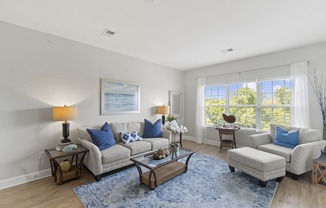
(227, 50)
(108, 32)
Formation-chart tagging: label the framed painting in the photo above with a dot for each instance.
(176, 103)
(119, 97)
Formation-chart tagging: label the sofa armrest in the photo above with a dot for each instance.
(259, 139)
(167, 134)
(92, 160)
(303, 155)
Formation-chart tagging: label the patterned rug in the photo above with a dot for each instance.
(208, 183)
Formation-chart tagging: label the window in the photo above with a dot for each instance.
(215, 103)
(276, 102)
(242, 103)
(255, 104)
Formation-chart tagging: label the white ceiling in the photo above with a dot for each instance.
(181, 34)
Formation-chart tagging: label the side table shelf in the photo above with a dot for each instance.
(76, 160)
(227, 131)
(319, 171)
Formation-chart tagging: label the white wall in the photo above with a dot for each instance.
(313, 53)
(35, 76)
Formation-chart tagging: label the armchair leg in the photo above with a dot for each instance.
(262, 183)
(295, 176)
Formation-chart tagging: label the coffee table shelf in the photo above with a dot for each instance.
(160, 171)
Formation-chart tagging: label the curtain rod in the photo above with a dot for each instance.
(251, 70)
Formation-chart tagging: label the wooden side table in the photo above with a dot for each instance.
(180, 138)
(76, 165)
(319, 171)
(227, 131)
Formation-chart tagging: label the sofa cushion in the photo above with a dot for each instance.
(305, 135)
(123, 127)
(138, 147)
(83, 134)
(141, 131)
(277, 150)
(309, 135)
(115, 153)
(102, 138)
(157, 143)
(286, 138)
(152, 130)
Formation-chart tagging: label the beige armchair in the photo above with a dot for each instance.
(299, 159)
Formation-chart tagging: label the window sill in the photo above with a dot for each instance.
(245, 130)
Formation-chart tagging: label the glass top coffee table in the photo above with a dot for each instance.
(162, 170)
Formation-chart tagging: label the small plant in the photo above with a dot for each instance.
(171, 118)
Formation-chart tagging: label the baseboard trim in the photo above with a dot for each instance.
(214, 143)
(10, 182)
(189, 138)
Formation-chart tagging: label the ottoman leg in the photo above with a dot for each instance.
(279, 179)
(231, 169)
(262, 183)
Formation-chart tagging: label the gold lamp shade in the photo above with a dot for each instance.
(163, 109)
(64, 113)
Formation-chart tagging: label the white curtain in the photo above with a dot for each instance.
(300, 114)
(200, 110)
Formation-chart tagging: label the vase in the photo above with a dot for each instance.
(175, 137)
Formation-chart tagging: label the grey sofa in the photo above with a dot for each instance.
(298, 160)
(117, 156)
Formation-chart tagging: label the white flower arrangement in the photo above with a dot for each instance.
(174, 127)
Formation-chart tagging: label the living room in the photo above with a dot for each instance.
(45, 64)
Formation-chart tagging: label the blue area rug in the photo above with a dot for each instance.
(208, 183)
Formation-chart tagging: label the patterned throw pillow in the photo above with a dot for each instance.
(127, 137)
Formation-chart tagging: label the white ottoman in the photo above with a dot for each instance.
(262, 165)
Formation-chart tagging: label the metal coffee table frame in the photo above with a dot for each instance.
(159, 171)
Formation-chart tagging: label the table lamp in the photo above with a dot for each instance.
(65, 113)
(163, 110)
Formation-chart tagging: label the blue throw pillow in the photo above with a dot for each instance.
(106, 127)
(102, 138)
(152, 130)
(286, 138)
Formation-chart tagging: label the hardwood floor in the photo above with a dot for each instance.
(45, 192)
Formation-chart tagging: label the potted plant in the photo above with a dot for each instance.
(171, 118)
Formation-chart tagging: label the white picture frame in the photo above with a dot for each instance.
(176, 103)
(119, 97)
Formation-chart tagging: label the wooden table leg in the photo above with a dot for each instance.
(234, 141)
(220, 142)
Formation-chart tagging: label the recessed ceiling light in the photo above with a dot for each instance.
(227, 50)
(108, 32)
(150, 1)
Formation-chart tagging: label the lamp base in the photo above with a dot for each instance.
(163, 119)
(65, 141)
